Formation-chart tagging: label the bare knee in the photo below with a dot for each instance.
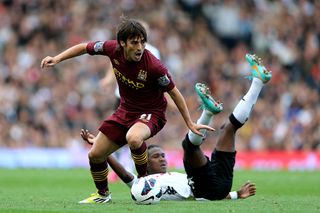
(134, 141)
(96, 156)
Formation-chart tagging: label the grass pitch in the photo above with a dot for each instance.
(36, 190)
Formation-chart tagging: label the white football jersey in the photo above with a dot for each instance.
(174, 185)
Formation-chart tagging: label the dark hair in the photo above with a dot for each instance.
(130, 28)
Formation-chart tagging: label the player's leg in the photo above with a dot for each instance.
(146, 126)
(193, 155)
(216, 176)
(198, 166)
(101, 148)
(136, 137)
(260, 76)
(223, 157)
(125, 159)
(121, 154)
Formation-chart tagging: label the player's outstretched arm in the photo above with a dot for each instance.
(73, 51)
(246, 190)
(171, 105)
(182, 106)
(123, 174)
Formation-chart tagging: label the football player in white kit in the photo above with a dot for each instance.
(206, 179)
(175, 185)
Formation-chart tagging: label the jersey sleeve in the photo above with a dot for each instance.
(163, 77)
(100, 47)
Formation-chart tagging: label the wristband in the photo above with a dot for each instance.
(233, 195)
(129, 184)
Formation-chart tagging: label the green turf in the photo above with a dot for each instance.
(36, 190)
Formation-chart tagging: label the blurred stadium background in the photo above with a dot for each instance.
(42, 111)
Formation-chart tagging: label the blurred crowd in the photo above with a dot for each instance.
(199, 40)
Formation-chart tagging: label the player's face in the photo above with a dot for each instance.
(133, 48)
(157, 162)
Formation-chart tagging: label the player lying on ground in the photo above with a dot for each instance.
(174, 184)
(212, 179)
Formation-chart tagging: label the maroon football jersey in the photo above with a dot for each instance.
(141, 84)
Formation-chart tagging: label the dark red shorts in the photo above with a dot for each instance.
(117, 125)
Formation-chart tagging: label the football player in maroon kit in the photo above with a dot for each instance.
(142, 81)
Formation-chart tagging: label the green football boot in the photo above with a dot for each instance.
(208, 103)
(258, 70)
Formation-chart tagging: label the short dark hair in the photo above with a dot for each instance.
(130, 28)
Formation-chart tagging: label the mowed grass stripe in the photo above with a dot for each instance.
(51, 190)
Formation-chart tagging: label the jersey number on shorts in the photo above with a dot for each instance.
(145, 117)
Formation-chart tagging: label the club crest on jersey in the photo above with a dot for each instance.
(98, 47)
(142, 75)
(163, 80)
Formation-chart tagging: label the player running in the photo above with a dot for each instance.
(142, 81)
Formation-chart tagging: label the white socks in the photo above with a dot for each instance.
(205, 119)
(243, 109)
(241, 112)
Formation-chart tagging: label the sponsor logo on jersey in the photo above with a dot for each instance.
(98, 46)
(164, 80)
(170, 191)
(127, 81)
(142, 75)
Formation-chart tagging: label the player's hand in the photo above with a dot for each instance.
(87, 136)
(195, 128)
(49, 62)
(246, 190)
